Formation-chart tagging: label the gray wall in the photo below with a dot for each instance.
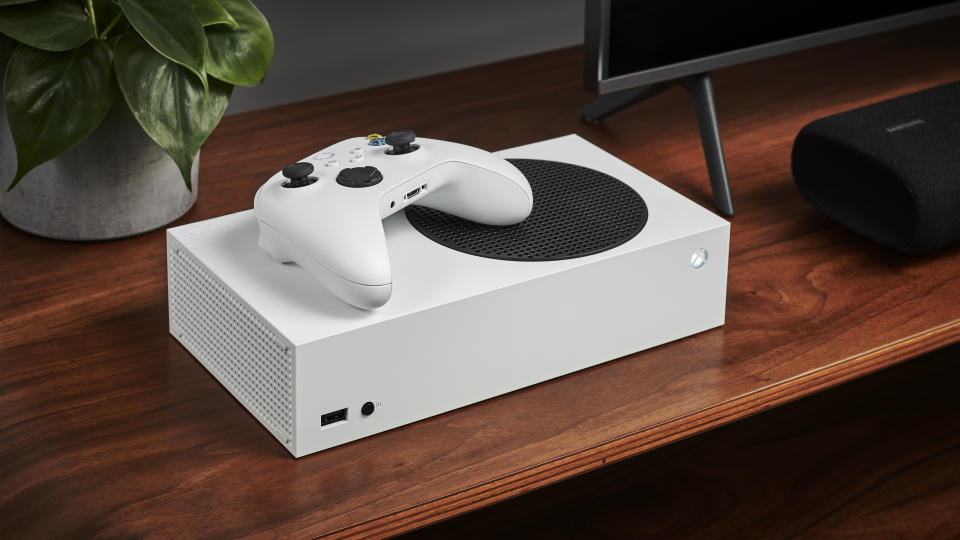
(328, 47)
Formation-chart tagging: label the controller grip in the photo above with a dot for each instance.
(367, 286)
(481, 195)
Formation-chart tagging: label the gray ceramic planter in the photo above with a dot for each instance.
(115, 183)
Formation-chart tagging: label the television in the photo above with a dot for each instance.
(634, 49)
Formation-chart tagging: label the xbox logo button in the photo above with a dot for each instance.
(698, 259)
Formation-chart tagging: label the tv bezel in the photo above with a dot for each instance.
(597, 33)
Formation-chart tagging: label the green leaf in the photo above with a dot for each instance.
(172, 28)
(240, 55)
(12, 2)
(43, 92)
(211, 12)
(51, 25)
(6, 47)
(167, 100)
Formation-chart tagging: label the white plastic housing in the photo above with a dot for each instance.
(459, 328)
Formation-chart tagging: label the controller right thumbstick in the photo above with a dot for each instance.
(401, 141)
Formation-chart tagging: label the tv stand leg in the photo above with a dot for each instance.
(602, 107)
(700, 88)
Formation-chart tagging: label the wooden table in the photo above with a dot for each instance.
(109, 427)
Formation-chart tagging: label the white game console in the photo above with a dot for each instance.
(457, 328)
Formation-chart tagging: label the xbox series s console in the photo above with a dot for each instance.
(375, 285)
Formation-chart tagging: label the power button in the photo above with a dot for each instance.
(698, 259)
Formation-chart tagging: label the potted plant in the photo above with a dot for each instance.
(108, 103)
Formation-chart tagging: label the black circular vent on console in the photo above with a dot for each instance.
(576, 212)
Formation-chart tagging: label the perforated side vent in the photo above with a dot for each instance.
(251, 360)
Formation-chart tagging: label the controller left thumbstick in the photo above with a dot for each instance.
(298, 175)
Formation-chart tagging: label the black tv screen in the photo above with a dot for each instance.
(633, 42)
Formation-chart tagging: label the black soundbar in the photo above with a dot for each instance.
(888, 171)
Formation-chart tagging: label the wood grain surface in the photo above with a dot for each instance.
(878, 457)
(108, 427)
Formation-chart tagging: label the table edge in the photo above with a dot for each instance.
(655, 436)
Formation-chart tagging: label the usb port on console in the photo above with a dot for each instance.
(333, 417)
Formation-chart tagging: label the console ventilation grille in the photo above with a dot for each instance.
(576, 212)
(251, 360)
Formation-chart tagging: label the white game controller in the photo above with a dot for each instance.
(324, 213)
